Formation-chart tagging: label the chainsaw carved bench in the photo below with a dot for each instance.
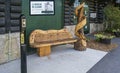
(43, 40)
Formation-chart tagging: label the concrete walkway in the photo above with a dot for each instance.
(63, 59)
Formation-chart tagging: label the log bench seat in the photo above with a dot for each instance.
(43, 40)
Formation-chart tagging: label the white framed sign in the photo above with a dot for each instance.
(93, 15)
(42, 7)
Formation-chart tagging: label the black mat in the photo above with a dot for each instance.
(110, 63)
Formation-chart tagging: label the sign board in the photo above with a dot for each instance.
(93, 15)
(42, 7)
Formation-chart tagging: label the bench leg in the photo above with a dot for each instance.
(44, 51)
(78, 46)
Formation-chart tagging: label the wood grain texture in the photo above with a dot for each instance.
(50, 37)
(44, 51)
(79, 12)
(43, 40)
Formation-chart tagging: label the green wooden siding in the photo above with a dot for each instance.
(42, 22)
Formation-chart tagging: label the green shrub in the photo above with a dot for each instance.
(103, 36)
(112, 17)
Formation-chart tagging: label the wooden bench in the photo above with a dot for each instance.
(43, 40)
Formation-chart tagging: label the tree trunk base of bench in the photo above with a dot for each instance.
(78, 46)
(44, 51)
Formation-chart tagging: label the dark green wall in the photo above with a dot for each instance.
(43, 22)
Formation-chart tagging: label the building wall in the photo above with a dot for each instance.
(10, 11)
(71, 29)
(10, 43)
(43, 22)
(9, 47)
(94, 27)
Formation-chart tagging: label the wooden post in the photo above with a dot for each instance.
(79, 32)
(78, 46)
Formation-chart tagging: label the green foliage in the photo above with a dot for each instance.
(116, 30)
(112, 17)
(103, 36)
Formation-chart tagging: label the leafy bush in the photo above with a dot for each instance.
(112, 17)
(116, 30)
(104, 36)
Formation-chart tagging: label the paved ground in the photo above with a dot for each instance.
(110, 63)
(64, 59)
